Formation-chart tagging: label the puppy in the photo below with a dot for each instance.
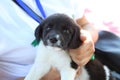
(56, 35)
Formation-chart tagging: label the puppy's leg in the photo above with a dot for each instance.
(68, 74)
(38, 71)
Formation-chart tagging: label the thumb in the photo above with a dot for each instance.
(82, 37)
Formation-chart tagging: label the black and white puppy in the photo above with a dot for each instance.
(56, 35)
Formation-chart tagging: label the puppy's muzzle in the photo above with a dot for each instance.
(53, 39)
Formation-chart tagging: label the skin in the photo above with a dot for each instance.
(81, 55)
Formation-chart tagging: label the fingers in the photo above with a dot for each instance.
(82, 37)
(78, 72)
(85, 36)
(52, 75)
(22, 78)
(81, 57)
(84, 53)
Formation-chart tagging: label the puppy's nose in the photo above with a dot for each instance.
(53, 40)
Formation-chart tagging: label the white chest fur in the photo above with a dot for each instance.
(50, 57)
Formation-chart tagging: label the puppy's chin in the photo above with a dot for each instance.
(56, 46)
(53, 48)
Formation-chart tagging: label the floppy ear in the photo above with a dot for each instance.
(75, 41)
(38, 32)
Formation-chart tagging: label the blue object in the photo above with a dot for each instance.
(40, 8)
(30, 12)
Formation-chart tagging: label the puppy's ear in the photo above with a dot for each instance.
(75, 41)
(38, 32)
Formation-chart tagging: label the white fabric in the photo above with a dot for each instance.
(17, 33)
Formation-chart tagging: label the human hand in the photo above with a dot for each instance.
(52, 75)
(83, 54)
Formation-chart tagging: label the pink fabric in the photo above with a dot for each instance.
(104, 15)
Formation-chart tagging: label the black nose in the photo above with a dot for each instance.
(53, 40)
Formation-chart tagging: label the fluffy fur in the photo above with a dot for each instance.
(56, 35)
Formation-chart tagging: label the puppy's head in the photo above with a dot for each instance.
(58, 30)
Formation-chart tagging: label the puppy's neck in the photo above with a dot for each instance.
(53, 48)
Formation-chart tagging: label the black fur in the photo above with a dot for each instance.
(74, 65)
(60, 24)
(96, 71)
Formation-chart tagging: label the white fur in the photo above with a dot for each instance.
(107, 72)
(50, 57)
(57, 36)
(83, 75)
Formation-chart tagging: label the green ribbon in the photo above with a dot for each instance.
(35, 43)
(93, 57)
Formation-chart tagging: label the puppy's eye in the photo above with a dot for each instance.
(49, 26)
(66, 31)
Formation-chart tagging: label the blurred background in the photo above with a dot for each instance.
(104, 14)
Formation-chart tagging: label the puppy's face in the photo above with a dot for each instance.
(60, 31)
